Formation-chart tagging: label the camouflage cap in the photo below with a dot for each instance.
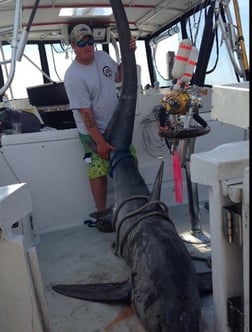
(79, 32)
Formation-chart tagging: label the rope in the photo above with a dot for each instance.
(163, 213)
(113, 162)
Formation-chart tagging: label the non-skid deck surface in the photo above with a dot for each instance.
(84, 255)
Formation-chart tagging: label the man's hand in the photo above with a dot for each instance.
(132, 44)
(103, 149)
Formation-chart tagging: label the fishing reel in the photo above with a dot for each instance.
(174, 119)
(180, 105)
(176, 102)
(179, 114)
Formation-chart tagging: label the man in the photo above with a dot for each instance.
(90, 86)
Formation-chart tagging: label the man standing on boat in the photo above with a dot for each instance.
(90, 86)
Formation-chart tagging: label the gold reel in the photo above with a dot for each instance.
(176, 102)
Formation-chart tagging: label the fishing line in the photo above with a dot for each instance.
(196, 24)
(54, 64)
(154, 145)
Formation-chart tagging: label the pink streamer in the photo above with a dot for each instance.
(177, 176)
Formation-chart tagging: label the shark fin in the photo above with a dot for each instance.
(117, 292)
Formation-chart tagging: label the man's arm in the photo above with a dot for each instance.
(119, 74)
(103, 147)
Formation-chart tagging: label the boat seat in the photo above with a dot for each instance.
(21, 288)
(15, 213)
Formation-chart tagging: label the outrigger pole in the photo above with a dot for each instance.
(241, 41)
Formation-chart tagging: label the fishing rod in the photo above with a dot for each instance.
(241, 41)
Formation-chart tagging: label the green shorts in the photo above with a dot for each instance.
(97, 167)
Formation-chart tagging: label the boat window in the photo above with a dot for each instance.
(222, 61)
(141, 60)
(164, 46)
(59, 59)
(26, 73)
(163, 50)
(162, 55)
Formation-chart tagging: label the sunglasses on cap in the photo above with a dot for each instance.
(83, 43)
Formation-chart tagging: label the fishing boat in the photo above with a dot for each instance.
(192, 114)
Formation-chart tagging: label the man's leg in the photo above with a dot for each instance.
(99, 191)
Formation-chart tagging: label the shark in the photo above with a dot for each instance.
(164, 288)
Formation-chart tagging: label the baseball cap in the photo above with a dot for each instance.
(79, 32)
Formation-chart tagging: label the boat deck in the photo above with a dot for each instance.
(82, 254)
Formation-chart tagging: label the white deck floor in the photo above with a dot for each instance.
(85, 255)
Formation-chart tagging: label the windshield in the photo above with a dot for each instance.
(163, 48)
(220, 69)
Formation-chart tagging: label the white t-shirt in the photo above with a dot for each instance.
(92, 86)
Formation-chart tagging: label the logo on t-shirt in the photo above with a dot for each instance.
(107, 71)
